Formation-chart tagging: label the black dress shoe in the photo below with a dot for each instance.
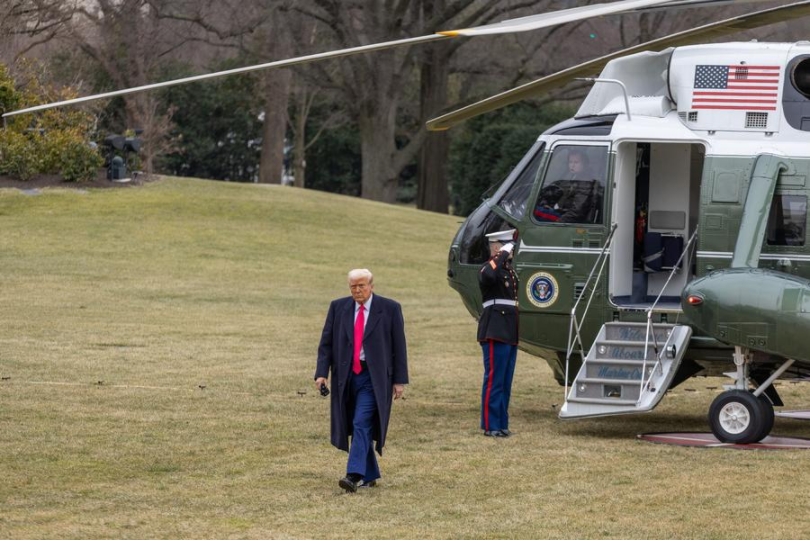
(349, 483)
(367, 484)
(496, 434)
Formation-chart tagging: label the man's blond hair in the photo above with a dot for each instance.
(356, 274)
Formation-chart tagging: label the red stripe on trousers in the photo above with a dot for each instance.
(489, 383)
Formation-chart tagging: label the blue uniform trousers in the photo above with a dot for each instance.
(362, 460)
(499, 369)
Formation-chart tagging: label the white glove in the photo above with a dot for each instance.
(508, 247)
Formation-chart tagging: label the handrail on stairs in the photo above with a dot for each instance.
(574, 325)
(650, 331)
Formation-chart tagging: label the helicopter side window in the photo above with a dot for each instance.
(574, 186)
(787, 220)
(473, 245)
(516, 199)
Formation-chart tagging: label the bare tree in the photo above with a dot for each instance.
(257, 29)
(130, 44)
(26, 24)
(277, 45)
(436, 59)
(374, 85)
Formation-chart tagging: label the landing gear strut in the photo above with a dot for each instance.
(739, 415)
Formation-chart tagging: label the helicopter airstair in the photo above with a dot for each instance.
(630, 365)
(627, 370)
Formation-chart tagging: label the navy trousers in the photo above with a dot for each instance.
(362, 460)
(499, 369)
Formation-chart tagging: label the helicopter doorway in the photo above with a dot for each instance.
(656, 206)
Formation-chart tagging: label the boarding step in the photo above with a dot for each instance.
(602, 401)
(628, 369)
(618, 369)
(618, 350)
(608, 389)
(627, 332)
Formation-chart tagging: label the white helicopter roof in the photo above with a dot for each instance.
(740, 87)
(643, 75)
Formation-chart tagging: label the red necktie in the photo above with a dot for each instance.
(359, 326)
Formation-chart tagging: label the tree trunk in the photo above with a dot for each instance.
(432, 191)
(274, 127)
(377, 145)
(150, 127)
(300, 145)
(277, 84)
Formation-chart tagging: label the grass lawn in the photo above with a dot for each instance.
(157, 347)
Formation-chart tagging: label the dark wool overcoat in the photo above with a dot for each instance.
(386, 359)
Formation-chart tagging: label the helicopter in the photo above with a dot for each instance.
(687, 255)
(662, 231)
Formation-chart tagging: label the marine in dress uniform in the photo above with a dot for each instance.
(498, 333)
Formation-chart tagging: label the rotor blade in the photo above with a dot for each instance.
(543, 20)
(246, 69)
(560, 78)
(515, 25)
(674, 4)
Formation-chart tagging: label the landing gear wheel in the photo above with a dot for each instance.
(766, 409)
(738, 417)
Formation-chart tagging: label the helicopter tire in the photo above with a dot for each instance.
(767, 417)
(738, 417)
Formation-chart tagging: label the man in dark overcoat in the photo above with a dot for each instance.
(363, 349)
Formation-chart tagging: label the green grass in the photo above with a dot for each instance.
(157, 346)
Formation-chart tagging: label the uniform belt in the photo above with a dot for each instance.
(507, 302)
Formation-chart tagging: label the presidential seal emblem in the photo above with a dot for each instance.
(542, 289)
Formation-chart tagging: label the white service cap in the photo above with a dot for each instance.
(502, 236)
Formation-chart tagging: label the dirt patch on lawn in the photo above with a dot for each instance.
(56, 181)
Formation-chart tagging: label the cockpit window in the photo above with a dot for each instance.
(473, 245)
(574, 186)
(516, 198)
(787, 220)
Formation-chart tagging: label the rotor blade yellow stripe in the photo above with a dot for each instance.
(688, 37)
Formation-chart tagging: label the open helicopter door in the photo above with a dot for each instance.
(656, 209)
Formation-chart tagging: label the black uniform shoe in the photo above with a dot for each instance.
(367, 484)
(496, 434)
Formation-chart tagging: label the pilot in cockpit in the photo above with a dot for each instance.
(576, 198)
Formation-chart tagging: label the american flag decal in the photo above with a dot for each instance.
(751, 88)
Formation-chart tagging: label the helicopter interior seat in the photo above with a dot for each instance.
(653, 252)
(673, 247)
(662, 249)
